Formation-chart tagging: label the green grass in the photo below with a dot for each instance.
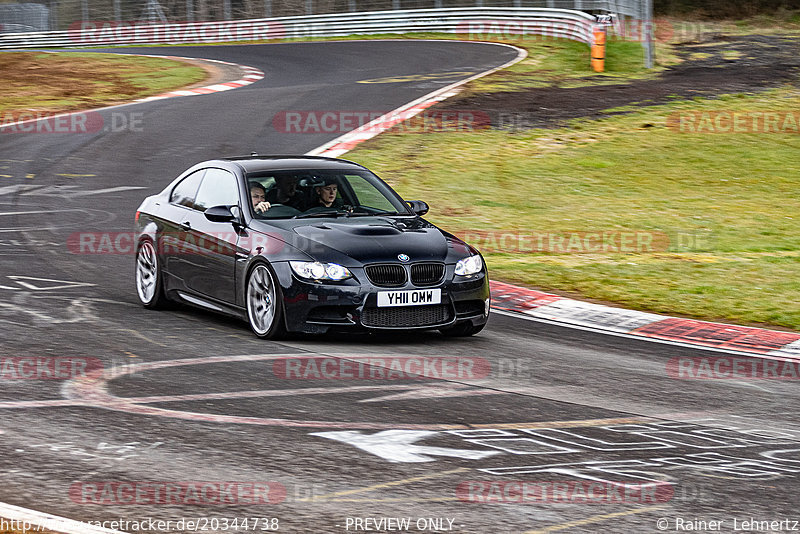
(69, 80)
(563, 63)
(727, 202)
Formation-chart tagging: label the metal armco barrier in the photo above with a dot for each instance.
(473, 22)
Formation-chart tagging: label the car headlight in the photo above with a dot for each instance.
(314, 270)
(468, 266)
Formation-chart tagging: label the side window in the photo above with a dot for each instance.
(219, 188)
(184, 192)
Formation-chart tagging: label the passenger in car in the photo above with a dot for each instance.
(326, 195)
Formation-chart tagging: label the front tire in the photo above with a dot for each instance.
(264, 303)
(149, 284)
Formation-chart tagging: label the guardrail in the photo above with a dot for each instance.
(564, 23)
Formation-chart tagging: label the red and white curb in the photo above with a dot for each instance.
(345, 143)
(251, 75)
(31, 519)
(715, 336)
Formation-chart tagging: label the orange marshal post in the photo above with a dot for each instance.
(599, 49)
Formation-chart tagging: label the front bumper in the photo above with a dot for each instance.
(352, 305)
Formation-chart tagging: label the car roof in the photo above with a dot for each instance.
(252, 164)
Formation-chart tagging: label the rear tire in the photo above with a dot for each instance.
(462, 330)
(264, 301)
(149, 283)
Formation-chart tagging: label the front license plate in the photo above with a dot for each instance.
(413, 297)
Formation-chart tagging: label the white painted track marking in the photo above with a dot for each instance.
(51, 522)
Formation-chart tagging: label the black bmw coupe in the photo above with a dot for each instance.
(305, 244)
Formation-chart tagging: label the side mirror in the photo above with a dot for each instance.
(220, 214)
(417, 206)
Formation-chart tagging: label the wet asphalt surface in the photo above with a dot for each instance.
(192, 400)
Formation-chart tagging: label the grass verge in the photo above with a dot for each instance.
(725, 205)
(52, 82)
(563, 63)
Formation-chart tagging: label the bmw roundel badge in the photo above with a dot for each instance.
(403, 257)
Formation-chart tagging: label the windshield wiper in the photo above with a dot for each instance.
(333, 213)
(338, 213)
(348, 213)
(394, 214)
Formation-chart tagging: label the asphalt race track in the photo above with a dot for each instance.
(195, 400)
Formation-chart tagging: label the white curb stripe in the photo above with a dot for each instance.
(219, 87)
(51, 522)
(792, 350)
(594, 315)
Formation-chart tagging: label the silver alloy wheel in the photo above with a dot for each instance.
(146, 272)
(261, 303)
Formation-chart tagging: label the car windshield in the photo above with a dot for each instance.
(321, 194)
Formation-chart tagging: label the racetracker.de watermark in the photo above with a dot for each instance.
(175, 243)
(47, 367)
(18, 525)
(628, 29)
(97, 32)
(731, 368)
(735, 122)
(571, 492)
(487, 241)
(382, 368)
(408, 121)
(79, 122)
(176, 493)
(581, 242)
